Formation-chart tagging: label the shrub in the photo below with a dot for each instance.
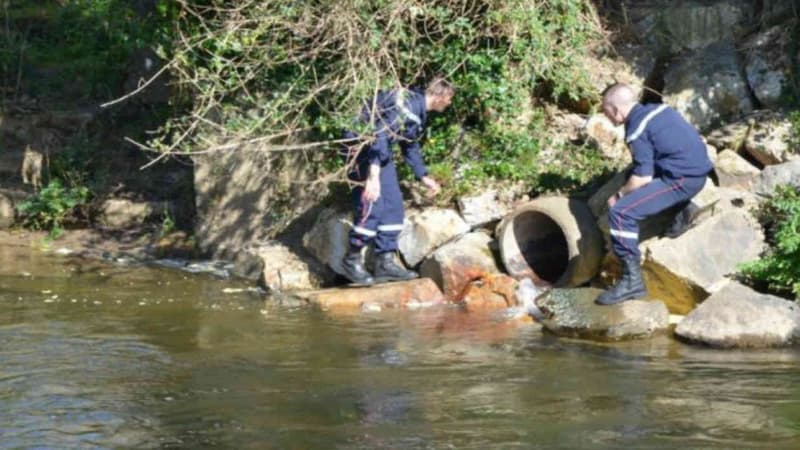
(49, 209)
(292, 73)
(76, 46)
(779, 269)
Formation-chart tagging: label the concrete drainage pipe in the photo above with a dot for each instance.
(552, 240)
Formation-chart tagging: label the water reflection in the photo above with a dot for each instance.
(153, 358)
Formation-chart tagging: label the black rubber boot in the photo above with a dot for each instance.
(353, 267)
(386, 269)
(683, 221)
(629, 287)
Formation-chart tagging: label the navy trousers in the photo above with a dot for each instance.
(650, 199)
(381, 220)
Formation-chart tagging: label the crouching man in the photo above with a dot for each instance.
(398, 116)
(670, 166)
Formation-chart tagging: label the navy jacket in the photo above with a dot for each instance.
(399, 117)
(663, 143)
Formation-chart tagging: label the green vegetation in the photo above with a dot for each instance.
(779, 269)
(291, 75)
(49, 209)
(72, 48)
(794, 118)
(287, 73)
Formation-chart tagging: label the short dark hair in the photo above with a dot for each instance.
(439, 86)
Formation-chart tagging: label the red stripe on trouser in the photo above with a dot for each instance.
(638, 202)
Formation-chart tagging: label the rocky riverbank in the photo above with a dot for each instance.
(724, 65)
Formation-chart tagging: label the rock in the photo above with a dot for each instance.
(481, 210)
(735, 199)
(735, 172)
(425, 231)
(771, 139)
(730, 136)
(247, 194)
(774, 176)
(402, 294)
(685, 270)
(737, 316)
(494, 291)
(7, 213)
(712, 153)
(610, 140)
(277, 268)
(669, 27)
(639, 63)
(456, 264)
(767, 61)
(707, 86)
(176, 244)
(633, 65)
(327, 240)
(567, 125)
(573, 313)
(123, 213)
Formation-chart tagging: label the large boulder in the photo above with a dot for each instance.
(327, 240)
(481, 209)
(277, 268)
(402, 294)
(767, 61)
(670, 27)
(770, 139)
(685, 270)
(737, 316)
(730, 136)
(425, 231)
(494, 291)
(707, 86)
(573, 313)
(735, 172)
(774, 176)
(456, 264)
(246, 194)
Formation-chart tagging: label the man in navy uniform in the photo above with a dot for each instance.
(670, 166)
(395, 116)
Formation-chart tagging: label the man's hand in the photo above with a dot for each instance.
(613, 200)
(432, 186)
(372, 187)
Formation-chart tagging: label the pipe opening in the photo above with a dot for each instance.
(542, 245)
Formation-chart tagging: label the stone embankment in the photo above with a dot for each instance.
(724, 67)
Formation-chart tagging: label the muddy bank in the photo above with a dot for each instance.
(116, 246)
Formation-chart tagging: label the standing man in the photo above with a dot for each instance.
(670, 166)
(398, 116)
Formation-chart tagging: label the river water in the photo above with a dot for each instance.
(100, 356)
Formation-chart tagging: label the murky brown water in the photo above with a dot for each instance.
(94, 356)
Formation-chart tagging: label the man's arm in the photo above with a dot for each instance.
(643, 167)
(413, 157)
(378, 151)
(635, 182)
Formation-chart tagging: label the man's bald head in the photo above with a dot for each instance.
(618, 100)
